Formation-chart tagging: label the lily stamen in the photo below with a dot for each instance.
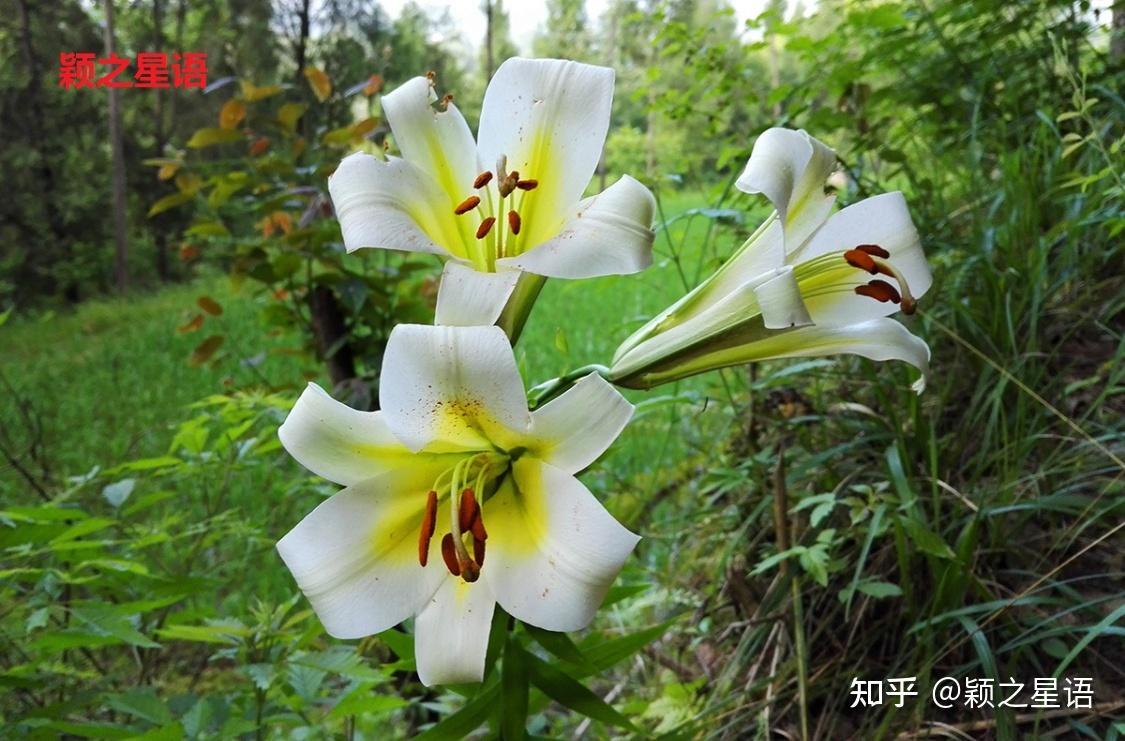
(467, 205)
(469, 510)
(485, 226)
(862, 257)
(527, 184)
(873, 250)
(880, 290)
(449, 555)
(514, 222)
(483, 179)
(908, 302)
(429, 522)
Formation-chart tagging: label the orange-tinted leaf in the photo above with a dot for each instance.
(338, 137)
(188, 252)
(204, 350)
(207, 229)
(374, 85)
(210, 137)
(210, 305)
(365, 127)
(167, 172)
(289, 114)
(299, 146)
(319, 82)
(189, 183)
(283, 221)
(278, 221)
(251, 93)
(259, 147)
(191, 326)
(167, 202)
(231, 114)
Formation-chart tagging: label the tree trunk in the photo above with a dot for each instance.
(160, 232)
(302, 41)
(331, 333)
(178, 41)
(1117, 35)
(489, 59)
(121, 245)
(34, 98)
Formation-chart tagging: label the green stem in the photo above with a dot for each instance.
(542, 393)
(514, 316)
(802, 655)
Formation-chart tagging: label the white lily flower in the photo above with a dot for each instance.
(455, 449)
(801, 285)
(507, 203)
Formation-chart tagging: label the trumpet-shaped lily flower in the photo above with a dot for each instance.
(808, 282)
(507, 203)
(452, 469)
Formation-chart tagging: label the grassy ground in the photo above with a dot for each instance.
(108, 382)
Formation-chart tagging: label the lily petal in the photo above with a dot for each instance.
(451, 633)
(790, 168)
(356, 555)
(762, 253)
(779, 299)
(451, 388)
(877, 339)
(572, 430)
(609, 234)
(392, 205)
(341, 444)
(553, 550)
(437, 142)
(769, 299)
(469, 298)
(550, 118)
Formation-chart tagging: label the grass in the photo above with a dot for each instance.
(108, 382)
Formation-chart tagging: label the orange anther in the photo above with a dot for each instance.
(873, 249)
(483, 179)
(429, 521)
(478, 551)
(469, 510)
(527, 184)
(467, 205)
(477, 527)
(514, 222)
(861, 260)
(449, 554)
(482, 230)
(880, 291)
